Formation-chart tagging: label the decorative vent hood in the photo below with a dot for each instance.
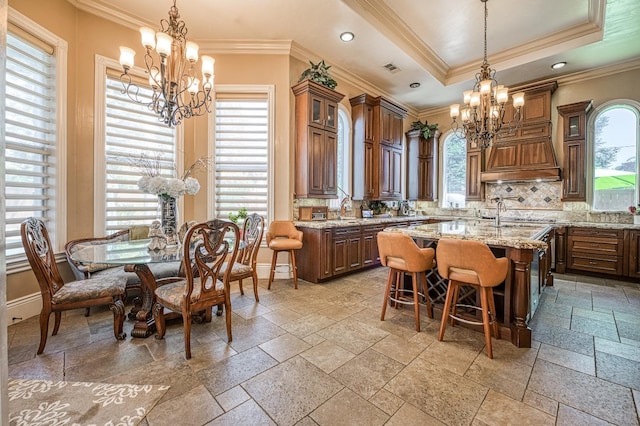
(528, 154)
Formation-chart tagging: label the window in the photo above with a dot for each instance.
(454, 171)
(614, 153)
(126, 132)
(243, 135)
(34, 133)
(343, 158)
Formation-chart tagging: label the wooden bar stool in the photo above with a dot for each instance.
(400, 253)
(466, 262)
(282, 235)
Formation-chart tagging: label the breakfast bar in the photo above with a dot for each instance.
(526, 246)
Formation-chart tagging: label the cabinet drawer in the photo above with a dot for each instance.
(596, 245)
(602, 264)
(373, 228)
(346, 232)
(594, 232)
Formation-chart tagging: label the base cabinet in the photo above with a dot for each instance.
(633, 256)
(596, 250)
(331, 252)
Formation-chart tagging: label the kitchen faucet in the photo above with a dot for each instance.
(500, 206)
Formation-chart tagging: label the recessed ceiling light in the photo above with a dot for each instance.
(414, 85)
(558, 65)
(347, 36)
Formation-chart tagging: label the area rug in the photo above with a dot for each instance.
(52, 403)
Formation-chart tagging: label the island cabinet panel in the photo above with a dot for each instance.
(633, 256)
(596, 250)
(316, 117)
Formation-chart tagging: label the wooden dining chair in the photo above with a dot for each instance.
(245, 265)
(204, 284)
(58, 296)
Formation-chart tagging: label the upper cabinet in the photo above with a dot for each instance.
(528, 153)
(422, 170)
(316, 140)
(377, 148)
(574, 135)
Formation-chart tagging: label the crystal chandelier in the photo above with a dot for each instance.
(482, 119)
(177, 92)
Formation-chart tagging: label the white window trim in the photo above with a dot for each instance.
(61, 49)
(441, 177)
(269, 90)
(103, 63)
(590, 143)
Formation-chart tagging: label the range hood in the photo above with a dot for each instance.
(528, 154)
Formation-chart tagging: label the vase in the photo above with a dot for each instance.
(168, 215)
(636, 219)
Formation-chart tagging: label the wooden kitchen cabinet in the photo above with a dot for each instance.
(377, 148)
(316, 116)
(421, 163)
(574, 164)
(596, 250)
(633, 256)
(347, 249)
(370, 254)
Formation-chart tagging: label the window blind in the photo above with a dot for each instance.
(133, 132)
(241, 154)
(30, 137)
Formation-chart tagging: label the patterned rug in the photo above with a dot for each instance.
(52, 403)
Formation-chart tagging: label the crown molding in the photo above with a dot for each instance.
(382, 17)
(109, 12)
(246, 47)
(346, 76)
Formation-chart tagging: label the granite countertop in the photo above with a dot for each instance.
(356, 221)
(517, 235)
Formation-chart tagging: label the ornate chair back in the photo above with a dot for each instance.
(37, 245)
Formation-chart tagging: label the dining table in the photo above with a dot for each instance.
(135, 256)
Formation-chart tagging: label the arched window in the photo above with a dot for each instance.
(454, 171)
(613, 155)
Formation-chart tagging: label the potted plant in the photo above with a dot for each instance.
(426, 130)
(378, 207)
(319, 73)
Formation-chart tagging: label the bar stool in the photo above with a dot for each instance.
(466, 262)
(400, 253)
(282, 235)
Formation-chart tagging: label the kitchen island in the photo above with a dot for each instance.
(524, 244)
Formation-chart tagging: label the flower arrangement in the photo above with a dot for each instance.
(634, 210)
(152, 182)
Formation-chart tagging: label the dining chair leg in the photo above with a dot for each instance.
(117, 307)
(295, 269)
(454, 302)
(56, 322)
(227, 305)
(186, 320)
(274, 257)
(492, 316)
(397, 275)
(240, 285)
(44, 329)
(158, 317)
(254, 278)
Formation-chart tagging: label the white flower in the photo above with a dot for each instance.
(192, 186)
(157, 185)
(175, 188)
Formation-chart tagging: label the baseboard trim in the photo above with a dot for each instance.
(24, 307)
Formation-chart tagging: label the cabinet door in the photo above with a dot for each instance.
(386, 126)
(317, 113)
(316, 160)
(425, 179)
(340, 254)
(396, 130)
(574, 182)
(370, 173)
(634, 254)
(326, 269)
(354, 252)
(331, 116)
(390, 178)
(330, 159)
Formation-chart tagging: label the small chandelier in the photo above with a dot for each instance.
(483, 115)
(177, 93)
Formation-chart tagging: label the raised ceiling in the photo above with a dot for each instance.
(438, 43)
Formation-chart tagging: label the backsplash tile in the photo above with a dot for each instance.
(528, 196)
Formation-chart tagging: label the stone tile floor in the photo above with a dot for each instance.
(321, 355)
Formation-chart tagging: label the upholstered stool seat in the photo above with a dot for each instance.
(466, 262)
(401, 255)
(282, 235)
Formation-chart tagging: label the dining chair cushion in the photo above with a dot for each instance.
(171, 294)
(236, 269)
(92, 288)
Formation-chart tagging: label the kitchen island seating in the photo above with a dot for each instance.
(282, 235)
(204, 285)
(245, 264)
(467, 262)
(401, 255)
(58, 296)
